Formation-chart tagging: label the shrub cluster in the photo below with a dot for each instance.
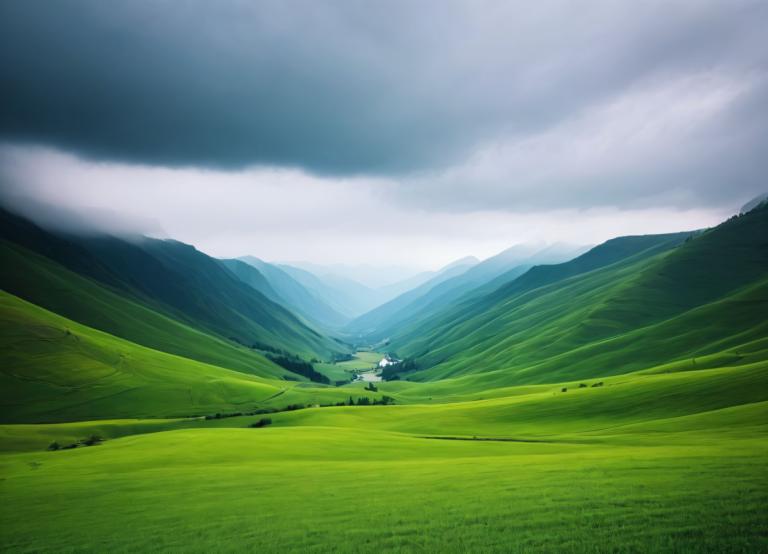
(365, 401)
(263, 422)
(89, 441)
(252, 412)
(361, 401)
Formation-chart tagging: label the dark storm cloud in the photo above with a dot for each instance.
(341, 87)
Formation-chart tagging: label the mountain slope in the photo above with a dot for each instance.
(529, 321)
(296, 295)
(253, 278)
(498, 269)
(48, 284)
(345, 295)
(178, 280)
(397, 309)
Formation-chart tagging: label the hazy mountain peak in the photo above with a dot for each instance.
(754, 203)
(466, 260)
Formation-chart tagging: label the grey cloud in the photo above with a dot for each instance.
(340, 87)
(699, 143)
(80, 220)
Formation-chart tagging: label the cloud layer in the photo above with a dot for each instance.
(281, 214)
(344, 87)
(420, 130)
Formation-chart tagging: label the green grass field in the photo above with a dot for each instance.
(648, 462)
(351, 490)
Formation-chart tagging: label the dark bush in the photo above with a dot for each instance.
(385, 400)
(263, 422)
(54, 446)
(564, 389)
(600, 384)
(582, 385)
(92, 440)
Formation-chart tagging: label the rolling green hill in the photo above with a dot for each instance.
(57, 370)
(645, 463)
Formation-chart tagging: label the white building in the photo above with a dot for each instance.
(388, 360)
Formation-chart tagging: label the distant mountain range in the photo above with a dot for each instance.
(450, 284)
(371, 275)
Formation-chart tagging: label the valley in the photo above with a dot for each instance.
(614, 395)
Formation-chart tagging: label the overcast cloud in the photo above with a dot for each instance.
(420, 131)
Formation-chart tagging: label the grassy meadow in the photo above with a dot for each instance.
(651, 461)
(349, 490)
(341, 371)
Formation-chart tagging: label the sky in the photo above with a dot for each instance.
(384, 133)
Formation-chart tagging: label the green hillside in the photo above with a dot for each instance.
(575, 311)
(48, 284)
(57, 370)
(169, 277)
(417, 311)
